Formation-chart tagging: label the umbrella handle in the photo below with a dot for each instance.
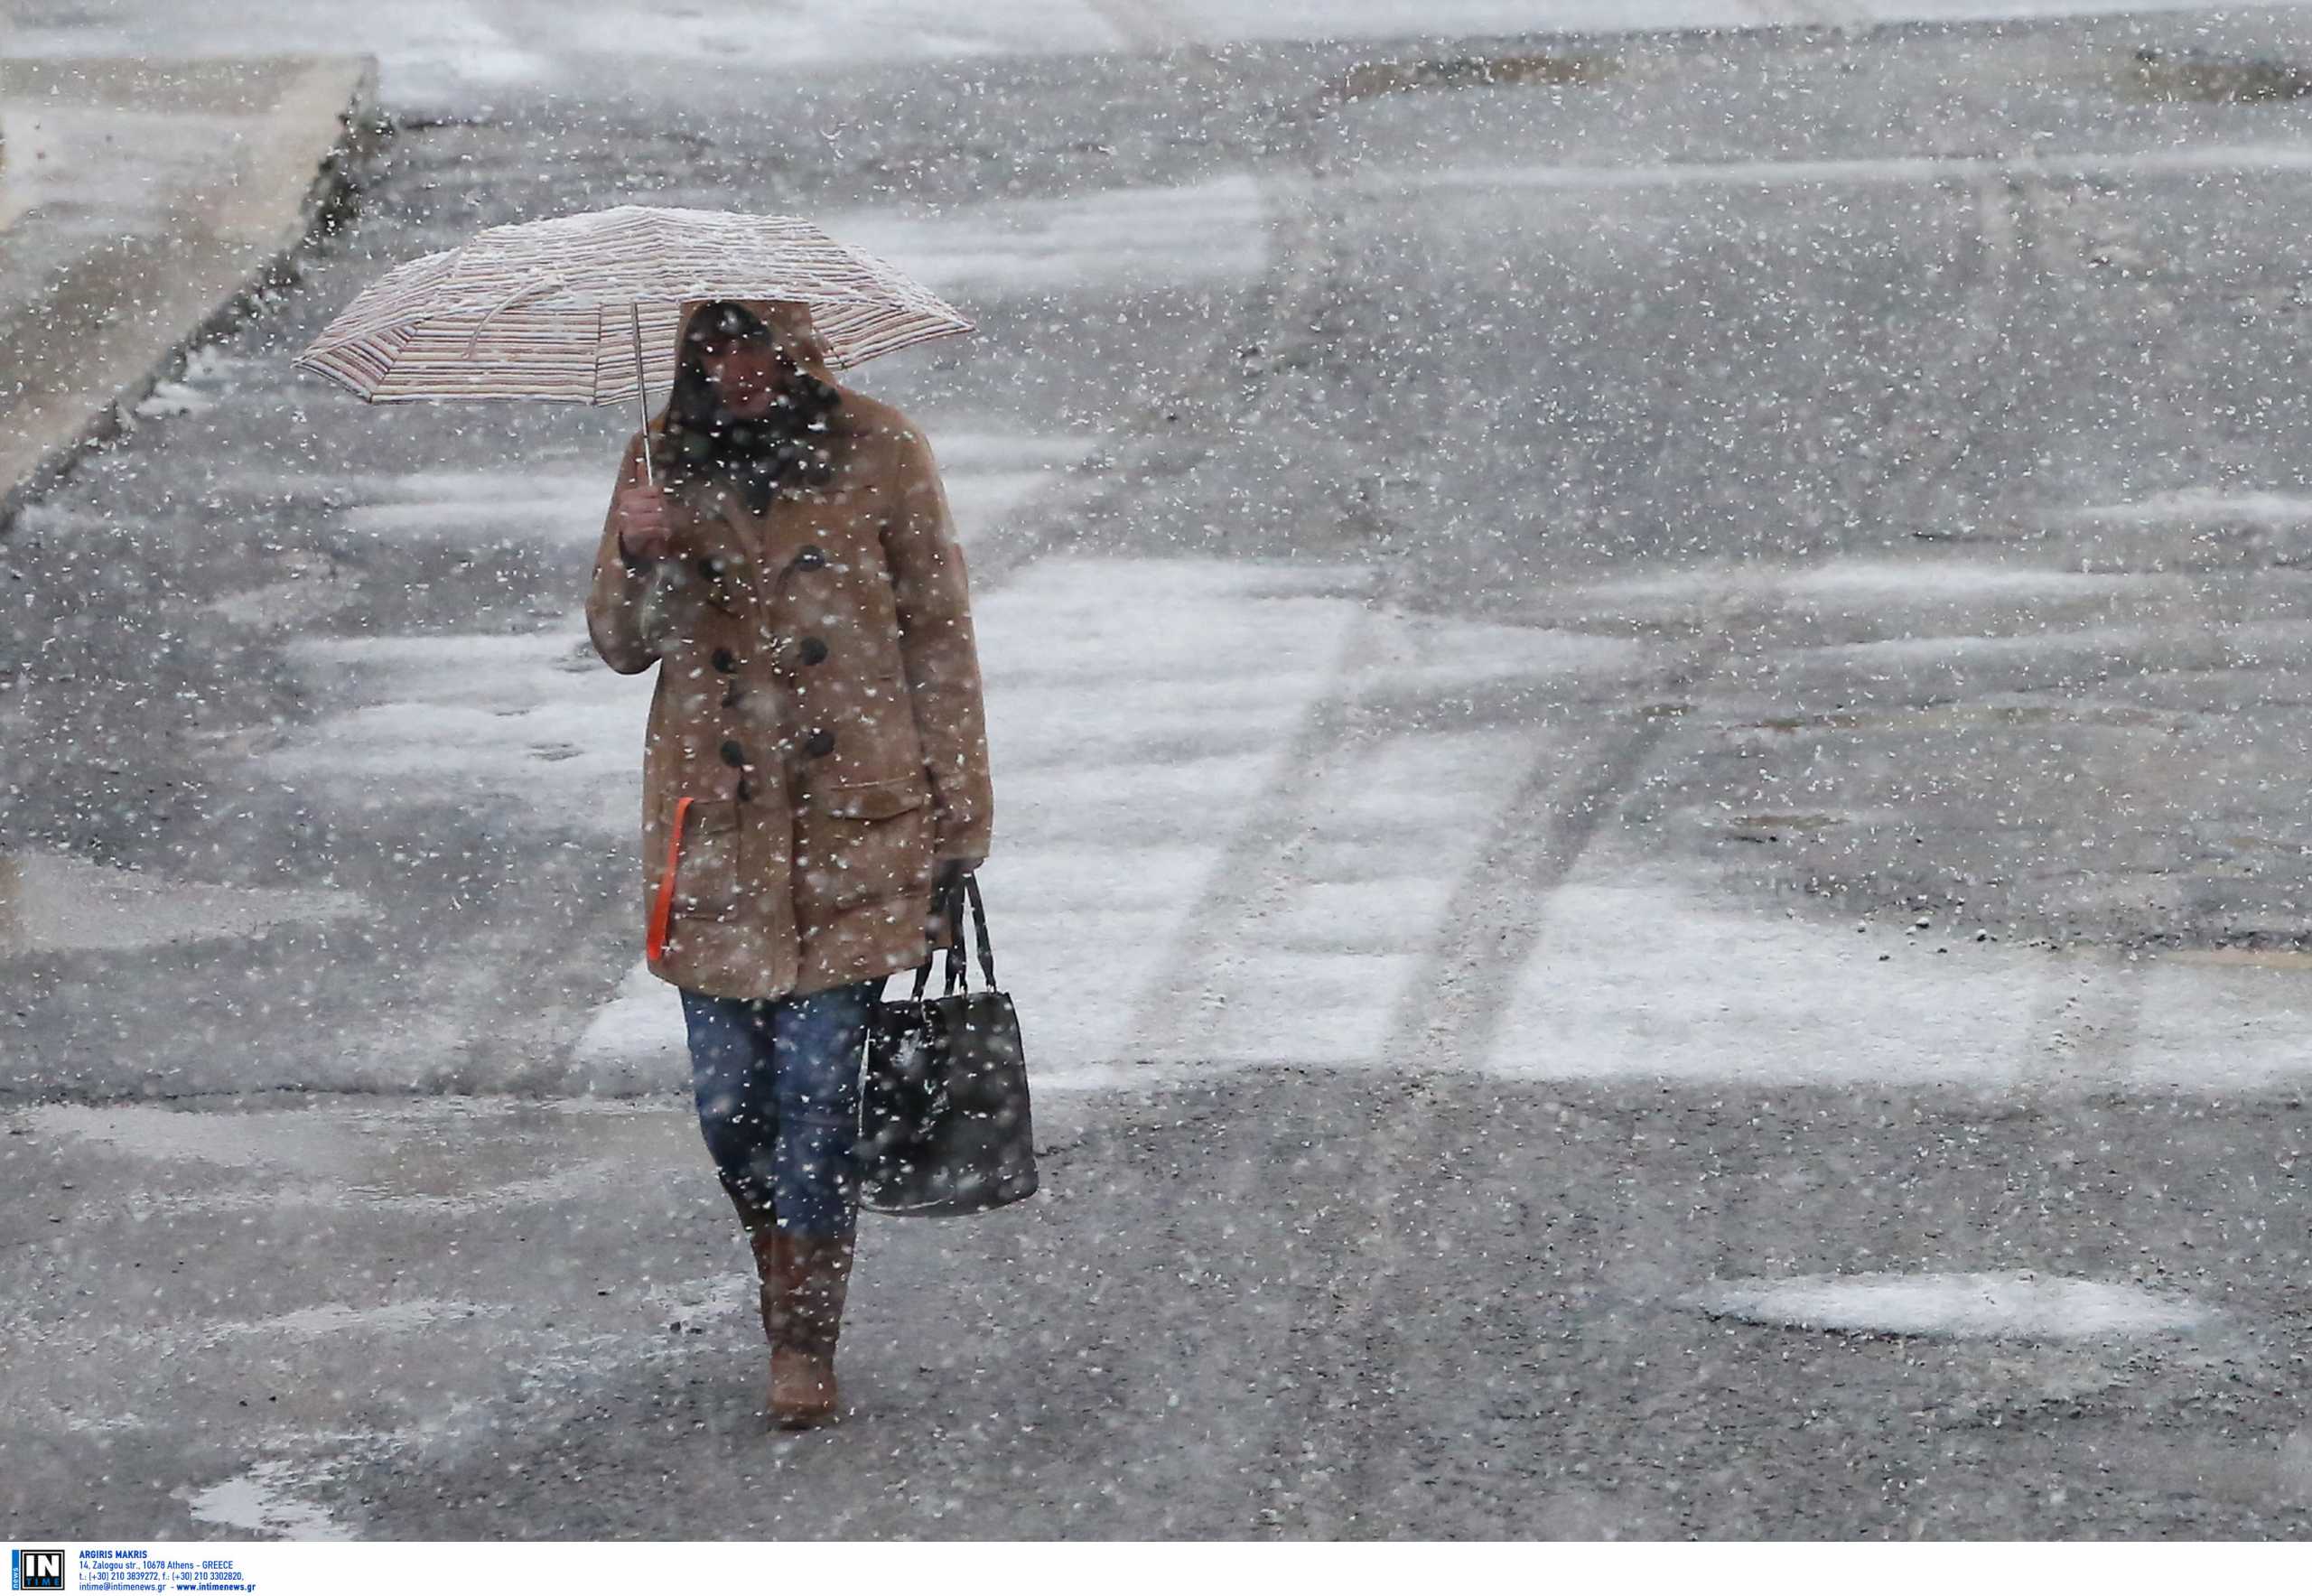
(642, 392)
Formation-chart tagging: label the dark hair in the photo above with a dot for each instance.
(703, 444)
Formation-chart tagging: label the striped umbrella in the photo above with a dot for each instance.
(584, 309)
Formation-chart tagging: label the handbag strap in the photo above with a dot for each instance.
(957, 975)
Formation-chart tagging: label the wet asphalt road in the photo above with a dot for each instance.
(1507, 346)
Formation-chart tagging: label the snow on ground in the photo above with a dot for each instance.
(396, 1156)
(2192, 506)
(332, 1318)
(54, 903)
(1643, 974)
(635, 1043)
(482, 507)
(1192, 233)
(78, 159)
(265, 1501)
(1879, 583)
(1141, 714)
(1144, 717)
(531, 721)
(989, 476)
(1488, 183)
(291, 1143)
(1121, 716)
(1382, 19)
(1972, 1306)
(452, 51)
(1882, 583)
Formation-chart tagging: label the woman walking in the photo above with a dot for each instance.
(815, 776)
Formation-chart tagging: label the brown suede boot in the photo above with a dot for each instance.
(803, 1314)
(755, 1220)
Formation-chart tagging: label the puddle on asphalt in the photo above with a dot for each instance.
(1954, 1306)
(2156, 74)
(54, 903)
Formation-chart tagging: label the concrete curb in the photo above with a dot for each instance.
(315, 139)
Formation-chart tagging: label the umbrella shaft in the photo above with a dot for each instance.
(642, 393)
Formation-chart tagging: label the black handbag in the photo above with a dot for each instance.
(943, 1127)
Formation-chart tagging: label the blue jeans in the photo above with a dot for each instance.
(776, 1081)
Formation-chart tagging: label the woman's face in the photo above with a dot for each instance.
(746, 375)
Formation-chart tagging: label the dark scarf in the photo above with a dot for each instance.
(791, 445)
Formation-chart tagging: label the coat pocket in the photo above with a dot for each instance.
(700, 877)
(865, 842)
(705, 865)
(701, 861)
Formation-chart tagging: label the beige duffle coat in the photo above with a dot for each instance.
(817, 740)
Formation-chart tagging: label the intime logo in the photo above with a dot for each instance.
(35, 1570)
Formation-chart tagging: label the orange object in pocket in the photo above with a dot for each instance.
(663, 911)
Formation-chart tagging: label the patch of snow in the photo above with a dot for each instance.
(800, 36)
(1397, 823)
(1642, 974)
(174, 398)
(1102, 676)
(532, 722)
(2046, 643)
(308, 1142)
(1880, 582)
(53, 902)
(981, 501)
(637, 1040)
(331, 1319)
(263, 1501)
(1280, 19)
(2198, 505)
(72, 160)
(447, 52)
(990, 475)
(1969, 1306)
(2209, 160)
(2206, 1027)
(568, 478)
(715, 1297)
(553, 510)
(1640, 977)
(335, 1154)
(1131, 704)
(279, 604)
(1120, 239)
(1435, 653)
(962, 449)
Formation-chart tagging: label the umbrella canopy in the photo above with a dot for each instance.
(584, 309)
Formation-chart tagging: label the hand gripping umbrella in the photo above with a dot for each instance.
(584, 309)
